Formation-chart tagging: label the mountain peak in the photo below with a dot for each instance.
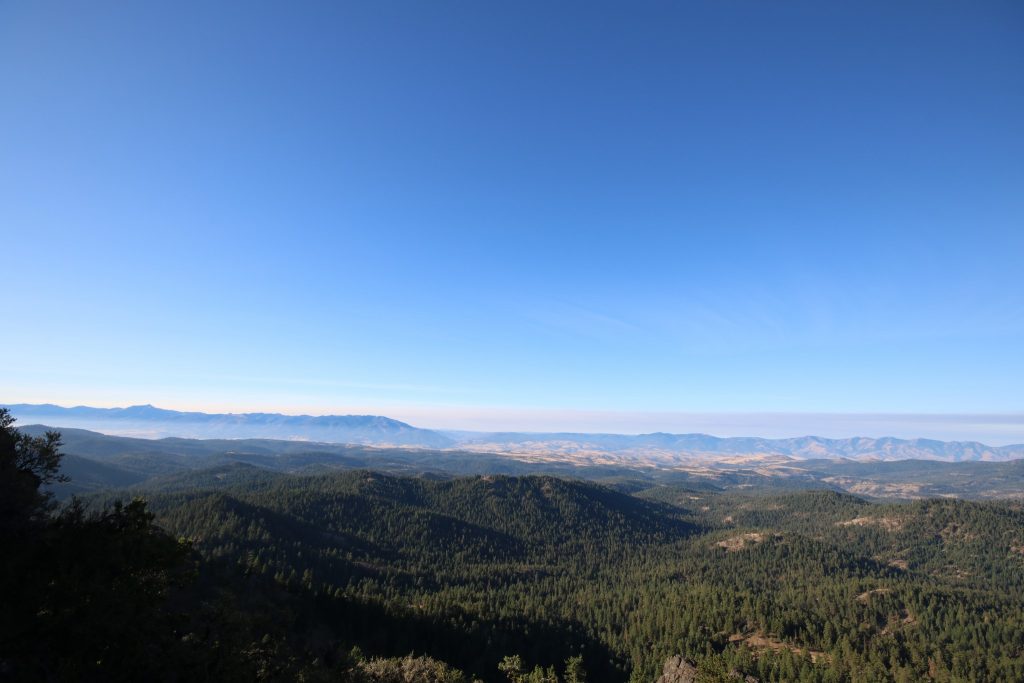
(151, 421)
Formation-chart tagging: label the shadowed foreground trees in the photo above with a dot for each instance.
(26, 465)
(84, 592)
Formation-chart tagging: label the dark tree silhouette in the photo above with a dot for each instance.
(26, 465)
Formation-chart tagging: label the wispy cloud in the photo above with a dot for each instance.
(580, 320)
(337, 384)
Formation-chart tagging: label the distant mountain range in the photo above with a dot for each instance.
(147, 421)
(596, 449)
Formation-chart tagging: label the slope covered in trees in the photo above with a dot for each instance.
(803, 586)
(281, 575)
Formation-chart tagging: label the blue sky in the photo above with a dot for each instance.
(510, 214)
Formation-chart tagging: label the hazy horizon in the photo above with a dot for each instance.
(990, 429)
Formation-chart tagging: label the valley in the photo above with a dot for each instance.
(97, 461)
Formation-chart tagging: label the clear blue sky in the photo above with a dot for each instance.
(641, 208)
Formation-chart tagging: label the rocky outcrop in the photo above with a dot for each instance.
(678, 670)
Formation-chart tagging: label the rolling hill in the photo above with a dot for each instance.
(98, 461)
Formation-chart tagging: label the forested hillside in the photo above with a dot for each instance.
(337, 575)
(805, 586)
